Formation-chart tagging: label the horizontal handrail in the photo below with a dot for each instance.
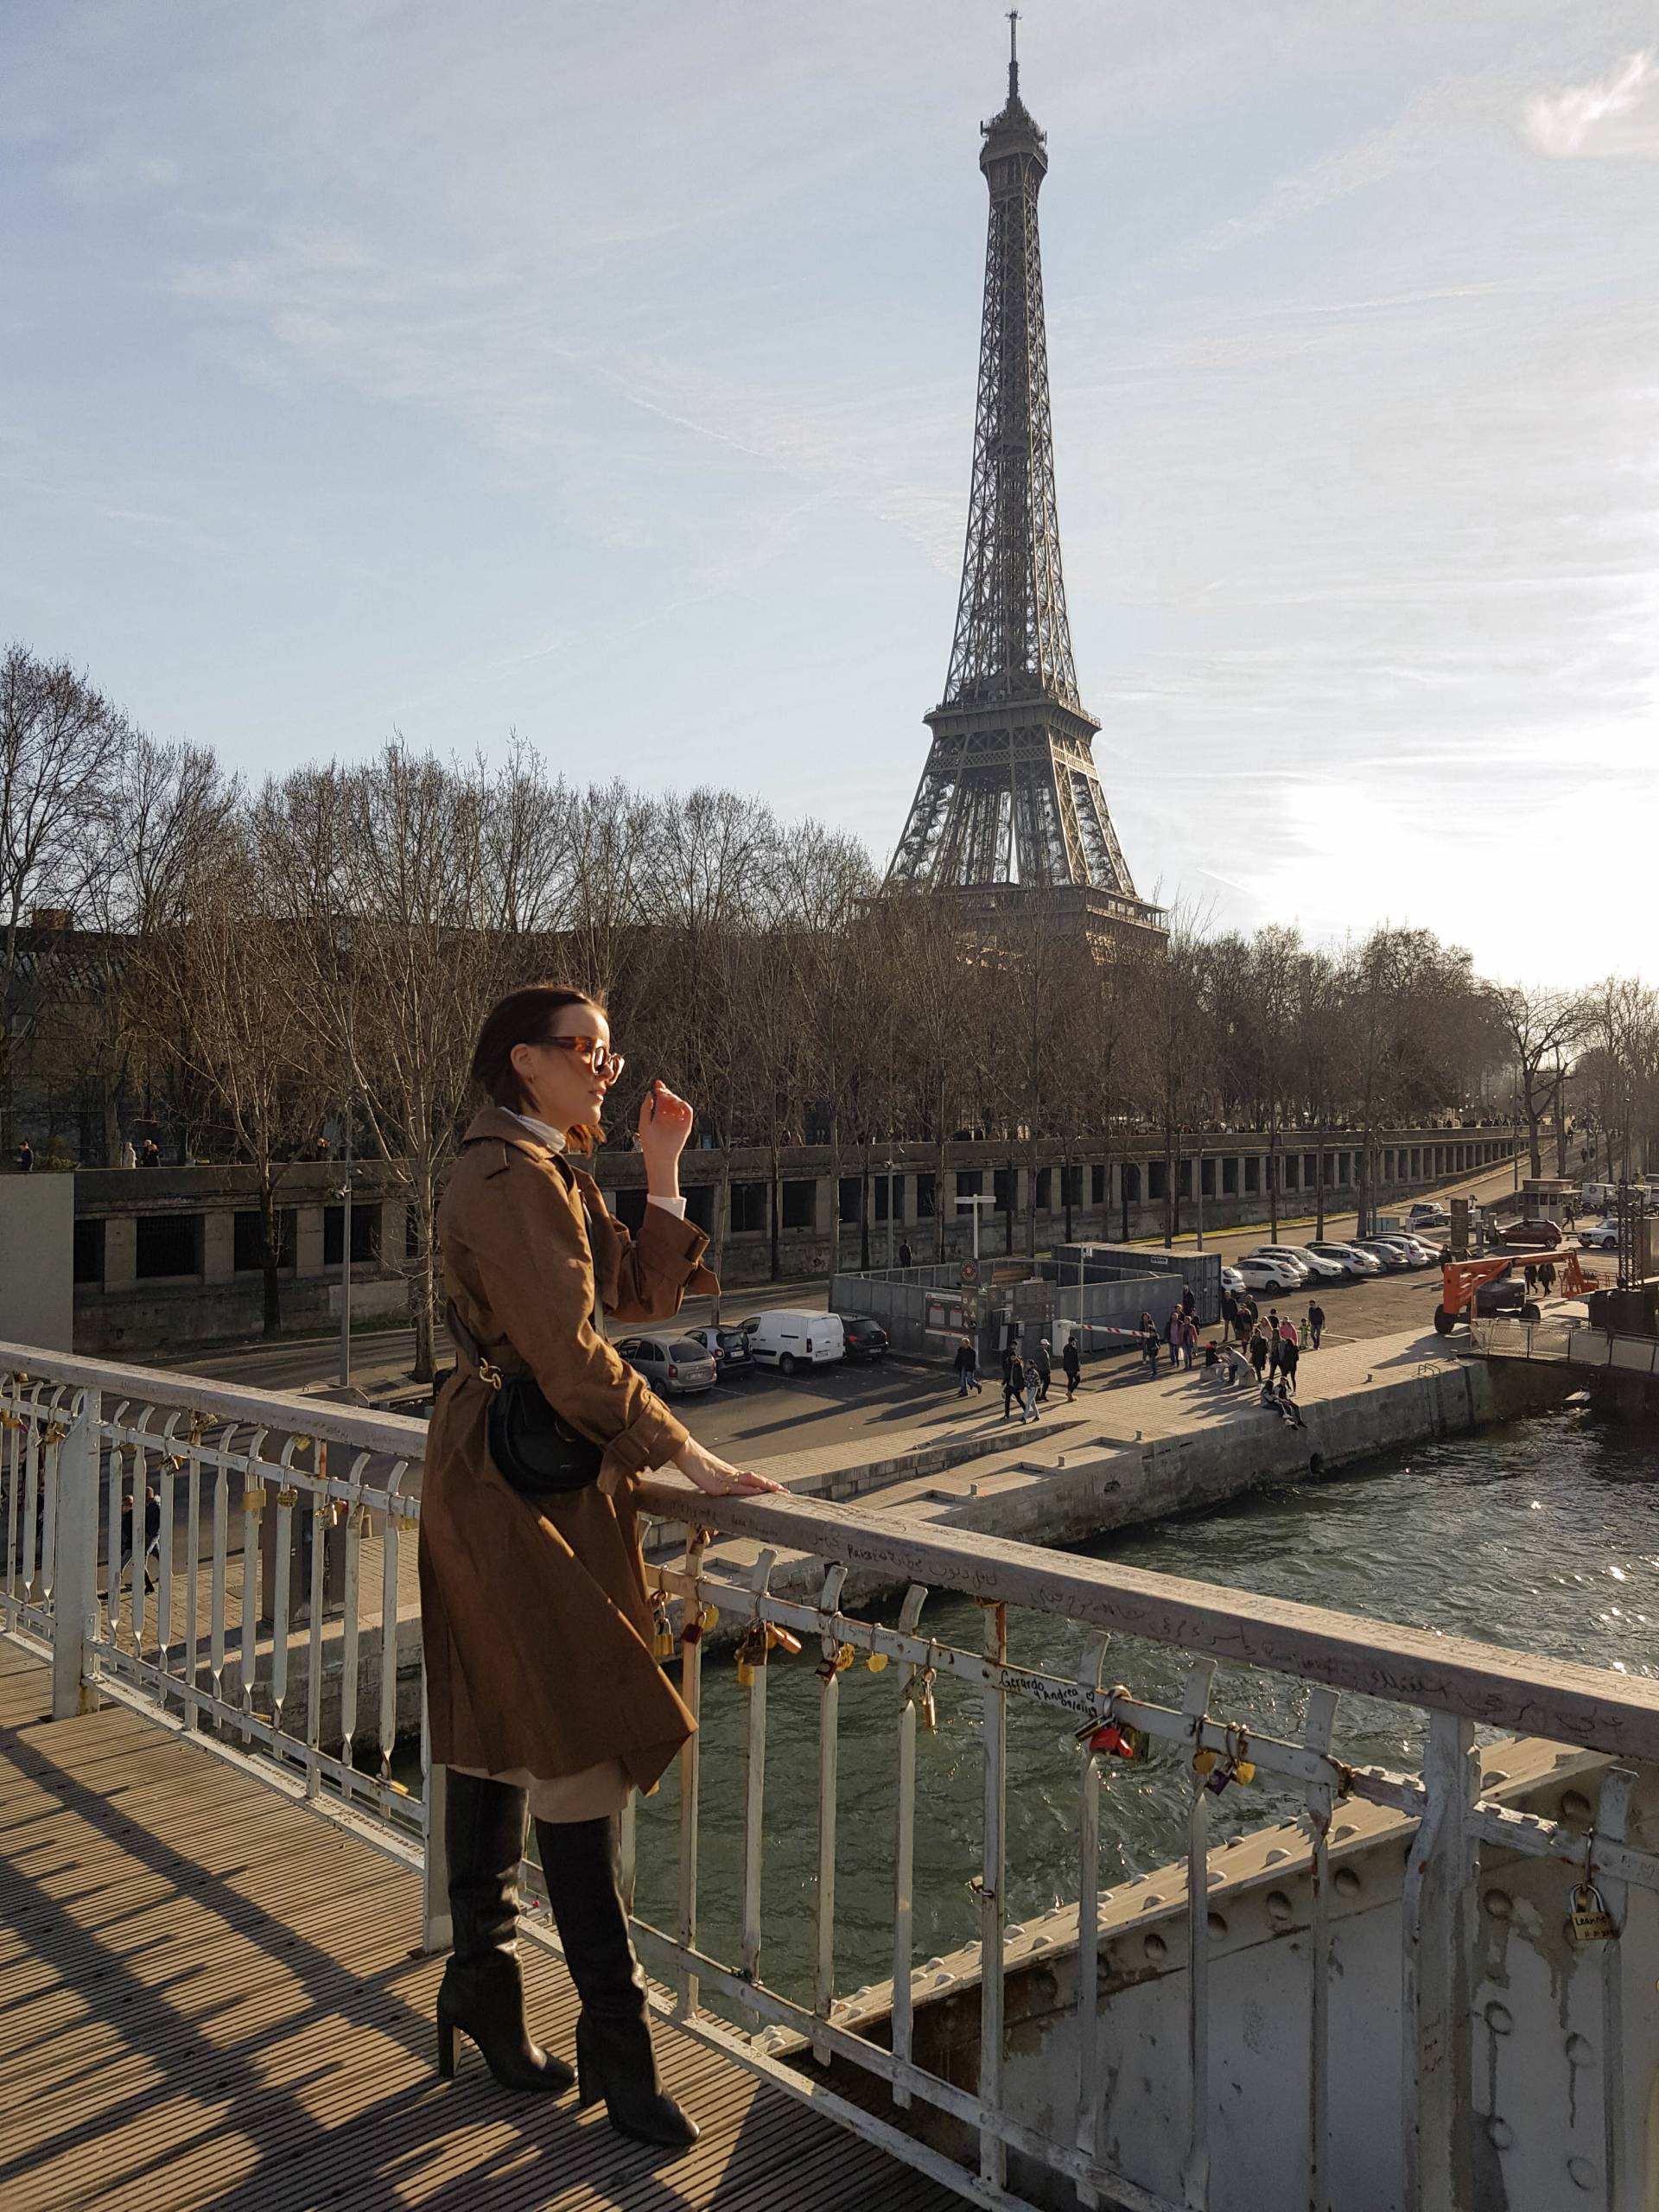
(1489, 1684)
(396, 1434)
(1493, 1686)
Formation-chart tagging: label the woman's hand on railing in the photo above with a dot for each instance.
(718, 1477)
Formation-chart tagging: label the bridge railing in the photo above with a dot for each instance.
(278, 1543)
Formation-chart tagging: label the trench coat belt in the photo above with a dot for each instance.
(469, 1353)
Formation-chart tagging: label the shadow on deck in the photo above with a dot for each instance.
(211, 1995)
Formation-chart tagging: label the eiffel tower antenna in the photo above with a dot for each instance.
(1009, 812)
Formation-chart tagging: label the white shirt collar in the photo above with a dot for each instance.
(552, 1137)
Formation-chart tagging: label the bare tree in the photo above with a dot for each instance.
(60, 740)
(1539, 1027)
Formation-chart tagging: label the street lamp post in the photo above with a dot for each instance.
(976, 1202)
(346, 1263)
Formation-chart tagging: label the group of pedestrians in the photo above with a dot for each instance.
(1540, 1278)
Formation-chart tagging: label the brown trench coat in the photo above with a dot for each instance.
(534, 1615)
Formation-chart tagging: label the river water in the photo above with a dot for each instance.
(1543, 1535)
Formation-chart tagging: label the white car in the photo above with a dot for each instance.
(1231, 1280)
(1600, 1236)
(1426, 1214)
(1411, 1250)
(787, 1339)
(1315, 1262)
(1260, 1273)
(1287, 1258)
(1350, 1258)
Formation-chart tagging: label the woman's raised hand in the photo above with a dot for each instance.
(664, 1124)
(718, 1477)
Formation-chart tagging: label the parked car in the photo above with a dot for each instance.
(862, 1338)
(1541, 1235)
(1424, 1251)
(788, 1338)
(1231, 1280)
(1350, 1258)
(1600, 1236)
(1392, 1256)
(1315, 1262)
(1428, 1213)
(1286, 1257)
(730, 1348)
(1258, 1272)
(676, 1366)
(1417, 1253)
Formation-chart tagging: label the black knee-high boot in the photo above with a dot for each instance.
(482, 1992)
(614, 2058)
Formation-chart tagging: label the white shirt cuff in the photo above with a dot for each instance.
(676, 1206)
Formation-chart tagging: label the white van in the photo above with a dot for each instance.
(786, 1339)
(1597, 1198)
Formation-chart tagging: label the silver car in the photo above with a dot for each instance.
(674, 1365)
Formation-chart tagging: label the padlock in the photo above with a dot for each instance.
(925, 1707)
(662, 1642)
(708, 1616)
(254, 1497)
(845, 1656)
(745, 1673)
(1117, 1736)
(877, 1662)
(1591, 1922)
(1222, 1772)
(779, 1639)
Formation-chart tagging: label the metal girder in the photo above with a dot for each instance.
(1010, 794)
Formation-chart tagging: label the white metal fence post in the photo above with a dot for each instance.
(1438, 1904)
(74, 1596)
(436, 1933)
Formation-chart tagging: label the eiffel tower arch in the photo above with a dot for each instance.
(1009, 815)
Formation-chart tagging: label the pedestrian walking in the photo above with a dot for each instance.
(1529, 1277)
(1315, 1321)
(1172, 1336)
(25, 1157)
(1289, 1360)
(1547, 1278)
(1029, 1393)
(544, 1702)
(967, 1367)
(1014, 1379)
(1273, 1340)
(1073, 1365)
(1045, 1369)
(903, 1252)
(149, 1153)
(1258, 1350)
(1149, 1345)
(1189, 1339)
(129, 1156)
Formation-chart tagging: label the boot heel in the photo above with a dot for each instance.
(590, 2084)
(446, 2051)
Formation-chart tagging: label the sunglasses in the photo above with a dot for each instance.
(605, 1063)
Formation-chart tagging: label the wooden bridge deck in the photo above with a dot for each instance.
(209, 1996)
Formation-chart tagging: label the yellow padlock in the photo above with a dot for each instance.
(746, 1674)
(877, 1662)
(708, 1616)
(845, 1656)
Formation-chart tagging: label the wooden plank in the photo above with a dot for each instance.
(252, 2019)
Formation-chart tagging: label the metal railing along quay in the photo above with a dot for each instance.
(303, 1512)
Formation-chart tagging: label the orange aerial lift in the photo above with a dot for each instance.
(1461, 1279)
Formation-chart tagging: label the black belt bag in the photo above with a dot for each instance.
(533, 1447)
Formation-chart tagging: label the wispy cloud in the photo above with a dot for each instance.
(1615, 117)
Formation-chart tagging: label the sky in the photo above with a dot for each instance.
(607, 374)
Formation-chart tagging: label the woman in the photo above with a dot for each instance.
(543, 1697)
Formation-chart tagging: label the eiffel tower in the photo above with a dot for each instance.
(1009, 815)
